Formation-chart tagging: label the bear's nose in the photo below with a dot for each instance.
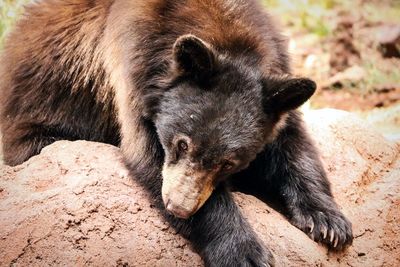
(177, 211)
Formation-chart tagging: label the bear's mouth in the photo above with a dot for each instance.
(185, 191)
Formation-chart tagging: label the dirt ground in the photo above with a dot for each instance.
(356, 63)
(75, 204)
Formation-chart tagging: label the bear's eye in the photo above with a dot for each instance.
(227, 165)
(182, 146)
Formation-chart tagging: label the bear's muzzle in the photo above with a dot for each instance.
(185, 191)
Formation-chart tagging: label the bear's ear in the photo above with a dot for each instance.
(193, 57)
(284, 94)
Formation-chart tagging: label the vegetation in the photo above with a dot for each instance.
(318, 16)
(305, 15)
(9, 11)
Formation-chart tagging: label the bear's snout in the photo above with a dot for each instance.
(177, 211)
(185, 194)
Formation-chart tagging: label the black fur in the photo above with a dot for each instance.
(296, 182)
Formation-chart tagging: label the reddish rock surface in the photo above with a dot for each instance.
(74, 204)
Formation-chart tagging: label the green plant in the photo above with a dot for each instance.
(311, 16)
(9, 11)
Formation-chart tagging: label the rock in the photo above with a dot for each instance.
(386, 120)
(75, 204)
(352, 75)
(388, 37)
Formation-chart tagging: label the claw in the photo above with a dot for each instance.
(312, 226)
(325, 232)
(336, 241)
(331, 235)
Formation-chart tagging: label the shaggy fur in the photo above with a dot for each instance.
(139, 74)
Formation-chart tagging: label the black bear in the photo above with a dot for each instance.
(198, 95)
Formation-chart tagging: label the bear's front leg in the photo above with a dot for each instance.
(289, 169)
(297, 172)
(223, 237)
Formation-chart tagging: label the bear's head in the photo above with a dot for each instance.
(213, 120)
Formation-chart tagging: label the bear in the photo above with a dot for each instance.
(199, 96)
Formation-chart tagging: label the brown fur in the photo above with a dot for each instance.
(90, 50)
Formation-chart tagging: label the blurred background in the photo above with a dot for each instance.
(351, 48)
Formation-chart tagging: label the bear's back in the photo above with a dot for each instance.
(238, 28)
(62, 62)
(64, 41)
